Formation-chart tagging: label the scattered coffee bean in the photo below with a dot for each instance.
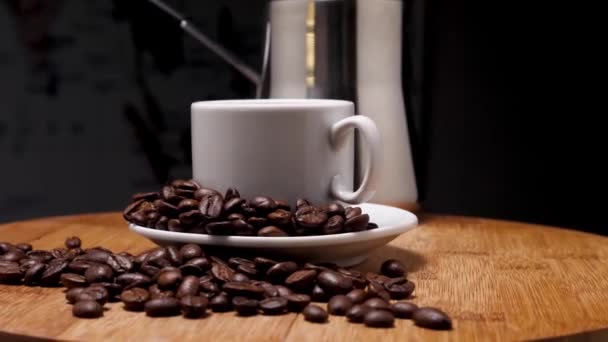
(339, 305)
(400, 291)
(193, 306)
(10, 273)
(357, 313)
(73, 294)
(376, 303)
(432, 318)
(279, 272)
(134, 299)
(392, 268)
(273, 306)
(245, 306)
(162, 307)
(283, 291)
(302, 280)
(168, 280)
(379, 319)
(98, 294)
(99, 273)
(315, 314)
(87, 309)
(403, 309)
(188, 287)
(52, 273)
(13, 255)
(334, 283)
(243, 289)
(220, 303)
(71, 280)
(73, 242)
(318, 294)
(33, 274)
(357, 296)
(297, 302)
(24, 247)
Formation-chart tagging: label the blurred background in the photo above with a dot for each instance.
(95, 96)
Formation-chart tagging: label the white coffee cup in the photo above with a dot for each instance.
(286, 149)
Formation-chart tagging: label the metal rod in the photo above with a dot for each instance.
(226, 55)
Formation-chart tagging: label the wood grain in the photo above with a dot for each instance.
(498, 280)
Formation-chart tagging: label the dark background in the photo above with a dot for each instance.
(94, 105)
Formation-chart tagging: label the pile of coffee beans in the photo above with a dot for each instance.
(186, 206)
(170, 281)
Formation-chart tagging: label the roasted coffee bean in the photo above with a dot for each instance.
(432, 318)
(301, 202)
(232, 205)
(184, 193)
(33, 274)
(5, 247)
(334, 208)
(156, 292)
(71, 280)
(301, 280)
(392, 268)
(174, 256)
(10, 273)
(339, 305)
(315, 314)
(284, 291)
(334, 283)
(220, 303)
(187, 205)
(357, 296)
(350, 212)
(236, 261)
(236, 216)
(231, 193)
(14, 254)
(139, 218)
(240, 277)
(99, 273)
(310, 217)
(279, 272)
(130, 280)
(318, 268)
(25, 264)
(258, 222)
(204, 192)
(59, 253)
(72, 294)
(87, 309)
(188, 287)
(222, 272)
(377, 303)
(242, 228)
(24, 247)
(334, 225)
(217, 260)
(208, 287)
(149, 270)
(120, 263)
(357, 313)
(282, 205)
(134, 299)
(165, 208)
(271, 231)
(193, 306)
(190, 217)
(379, 319)
(371, 226)
(152, 218)
(148, 196)
(175, 225)
(403, 310)
(50, 276)
(211, 206)
(375, 289)
(396, 280)
(127, 214)
(249, 271)
(280, 217)
(42, 256)
(273, 306)
(318, 294)
(190, 251)
(378, 278)
(113, 289)
(95, 255)
(220, 228)
(400, 291)
(168, 194)
(356, 223)
(162, 307)
(96, 293)
(297, 302)
(263, 264)
(186, 184)
(196, 266)
(245, 306)
(269, 289)
(263, 203)
(243, 289)
(162, 223)
(169, 280)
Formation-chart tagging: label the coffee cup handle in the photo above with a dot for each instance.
(369, 132)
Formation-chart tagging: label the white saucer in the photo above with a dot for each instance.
(343, 249)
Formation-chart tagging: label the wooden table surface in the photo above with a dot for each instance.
(498, 280)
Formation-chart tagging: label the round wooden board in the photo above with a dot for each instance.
(498, 280)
